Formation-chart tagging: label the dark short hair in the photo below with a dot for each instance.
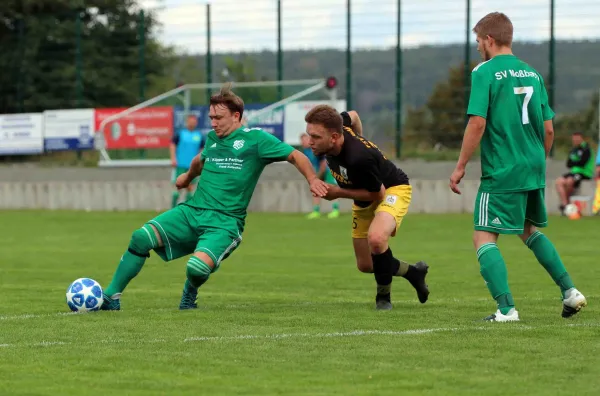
(577, 133)
(326, 116)
(227, 98)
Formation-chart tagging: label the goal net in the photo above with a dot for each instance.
(141, 135)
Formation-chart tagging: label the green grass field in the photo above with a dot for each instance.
(289, 314)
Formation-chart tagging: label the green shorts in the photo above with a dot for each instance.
(178, 171)
(506, 213)
(185, 230)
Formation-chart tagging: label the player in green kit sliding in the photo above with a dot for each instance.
(210, 224)
(509, 114)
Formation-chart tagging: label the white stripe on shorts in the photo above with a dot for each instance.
(484, 200)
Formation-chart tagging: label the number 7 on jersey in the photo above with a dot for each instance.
(528, 91)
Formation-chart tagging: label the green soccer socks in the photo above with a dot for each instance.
(142, 241)
(493, 270)
(548, 257)
(174, 199)
(197, 272)
(130, 265)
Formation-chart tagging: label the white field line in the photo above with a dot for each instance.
(243, 337)
(247, 337)
(353, 333)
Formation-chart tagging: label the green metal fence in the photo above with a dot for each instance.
(404, 65)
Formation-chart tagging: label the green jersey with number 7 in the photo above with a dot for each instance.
(511, 96)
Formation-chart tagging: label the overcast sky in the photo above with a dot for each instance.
(245, 25)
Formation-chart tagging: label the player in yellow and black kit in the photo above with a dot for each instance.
(381, 194)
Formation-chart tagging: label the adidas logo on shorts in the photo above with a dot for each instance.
(496, 221)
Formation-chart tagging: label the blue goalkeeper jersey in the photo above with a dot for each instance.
(188, 144)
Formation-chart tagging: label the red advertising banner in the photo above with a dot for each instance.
(150, 127)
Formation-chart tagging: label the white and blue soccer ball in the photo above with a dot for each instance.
(84, 295)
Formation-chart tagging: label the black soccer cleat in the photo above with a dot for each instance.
(109, 304)
(383, 302)
(573, 302)
(416, 276)
(189, 298)
(567, 311)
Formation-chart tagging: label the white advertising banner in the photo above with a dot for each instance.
(69, 129)
(21, 133)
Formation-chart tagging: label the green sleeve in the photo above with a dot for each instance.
(272, 149)
(547, 112)
(480, 94)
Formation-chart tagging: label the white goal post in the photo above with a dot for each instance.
(99, 143)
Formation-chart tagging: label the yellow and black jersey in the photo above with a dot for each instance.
(361, 165)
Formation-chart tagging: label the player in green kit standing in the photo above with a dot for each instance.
(510, 116)
(209, 226)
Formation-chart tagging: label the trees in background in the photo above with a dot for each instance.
(104, 53)
(76, 53)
